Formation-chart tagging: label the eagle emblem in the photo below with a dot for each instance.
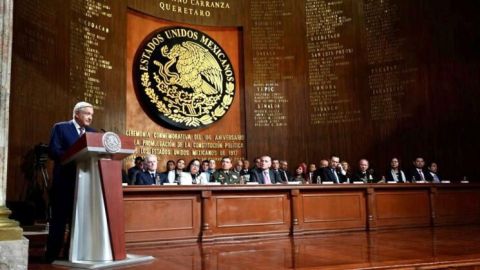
(186, 80)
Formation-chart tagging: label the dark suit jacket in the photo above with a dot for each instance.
(414, 174)
(63, 136)
(285, 176)
(365, 177)
(144, 178)
(257, 176)
(245, 172)
(327, 175)
(318, 176)
(389, 176)
(132, 175)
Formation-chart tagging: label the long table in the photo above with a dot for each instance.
(166, 214)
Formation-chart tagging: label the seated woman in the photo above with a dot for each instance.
(394, 173)
(178, 175)
(196, 176)
(300, 174)
(433, 170)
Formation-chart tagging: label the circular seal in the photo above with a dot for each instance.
(183, 79)
(111, 142)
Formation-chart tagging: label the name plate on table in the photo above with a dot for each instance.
(464, 182)
(170, 184)
(391, 182)
(358, 182)
(445, 181)
(294, 182)
(421, 182)
(252, 183)
(328, 183)
(214, 183)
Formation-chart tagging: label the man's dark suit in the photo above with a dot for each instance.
(63, 136)
(329, 176)
(414, 174)
(364, 177)
(245, 172)
(285, 176)
(145, 178)
(319, 175)
(132, 174)
(257, 176)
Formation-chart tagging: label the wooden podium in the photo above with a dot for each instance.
(98, 228)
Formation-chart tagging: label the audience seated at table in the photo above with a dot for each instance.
(268, 171)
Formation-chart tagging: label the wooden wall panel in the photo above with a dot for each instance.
(247, 214)
(235, 211)
(161, 219)
(402, 208)
(333, 211)
(61, 54)
(457, 206)
(215, 13)
(276, 119)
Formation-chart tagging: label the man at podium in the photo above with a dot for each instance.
(64, 135)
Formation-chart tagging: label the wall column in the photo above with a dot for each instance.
(13, 247)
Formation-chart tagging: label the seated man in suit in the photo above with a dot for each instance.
(312, 168)
(433, 169)
(275, 167)
(285, 175)
(263, 174)
(333, 172)
(319, 173)
(419, 173)
(133, 171)
(150, 175)
(245, 168)
(238, 166)
(364, 174)
(225, 175)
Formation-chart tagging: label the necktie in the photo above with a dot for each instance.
(422, 177)
(153, 176)
(266, 177)
(336, 176)
(82, 130)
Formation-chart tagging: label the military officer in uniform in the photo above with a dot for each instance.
(225, 175)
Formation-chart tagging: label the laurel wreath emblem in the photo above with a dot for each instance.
(185, 83)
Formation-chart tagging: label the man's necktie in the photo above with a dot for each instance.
(266, 177)
(422, 177)
(336, 176)
(82, 130)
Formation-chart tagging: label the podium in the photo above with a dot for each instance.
(97, 238)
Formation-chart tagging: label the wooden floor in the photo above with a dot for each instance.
(420, 248)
